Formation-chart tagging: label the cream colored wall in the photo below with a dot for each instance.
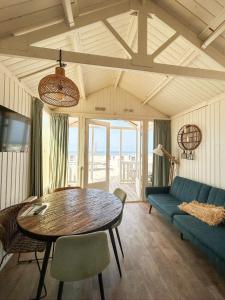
(14, 166)
(208, 166)
(117, 102)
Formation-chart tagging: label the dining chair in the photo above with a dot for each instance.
(80, 257)
(13, 240)
(66, 188)
(119, 193)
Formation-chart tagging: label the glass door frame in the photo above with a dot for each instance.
(82, 173)
(100, 184)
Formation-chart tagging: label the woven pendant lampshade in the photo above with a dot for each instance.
(58, 90)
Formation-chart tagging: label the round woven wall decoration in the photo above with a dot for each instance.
(58, 90)
(189, 137)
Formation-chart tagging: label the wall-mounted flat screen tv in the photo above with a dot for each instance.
(14, 131)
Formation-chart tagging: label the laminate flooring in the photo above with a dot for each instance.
(158, 265)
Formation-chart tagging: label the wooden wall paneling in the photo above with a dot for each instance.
(210, 155)
(17, 182)
(4, 178)
(6, 94)
(2, 88)
(222, 144)
(8, 179)
(11, 94)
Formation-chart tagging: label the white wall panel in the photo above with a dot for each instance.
(117, 103)
(209, 162)
(14, 167)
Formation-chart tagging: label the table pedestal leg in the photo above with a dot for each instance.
(43, 270)
(115, 250)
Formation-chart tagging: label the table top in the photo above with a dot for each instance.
(72, 212)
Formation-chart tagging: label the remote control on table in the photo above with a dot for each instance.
(37, 211)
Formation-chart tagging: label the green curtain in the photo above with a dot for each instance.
(161, 135)
(36, 149)
(59, 130)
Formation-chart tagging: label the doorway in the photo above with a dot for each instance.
(113, 156)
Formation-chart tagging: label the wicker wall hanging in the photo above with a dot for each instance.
(58, 90)
(189, 138)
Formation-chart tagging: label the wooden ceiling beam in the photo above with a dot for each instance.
(119, 39)
(214, 35)
(132, 33)
(68, 11)
(78, 47)
(181, 29)
(110, 62)
(186, 59)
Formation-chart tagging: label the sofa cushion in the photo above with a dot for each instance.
(166, 204)
(203, 235)
(186, 190)
(216, 197)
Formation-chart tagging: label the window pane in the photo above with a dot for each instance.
(97, 154)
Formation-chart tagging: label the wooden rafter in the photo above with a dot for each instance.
(132, 32)
(112, 62)
(118, 38)
(186, 59)
(141, 61)
(75, 39)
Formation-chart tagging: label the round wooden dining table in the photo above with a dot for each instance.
(71, 212)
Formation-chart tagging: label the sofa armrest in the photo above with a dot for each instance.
(156, 190)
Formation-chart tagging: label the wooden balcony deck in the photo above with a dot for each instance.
(129, 188)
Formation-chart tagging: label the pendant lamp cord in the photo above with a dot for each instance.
(61, 64)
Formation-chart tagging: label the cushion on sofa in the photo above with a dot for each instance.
(203, 235)
(166, 204)
(186, 190)
(216, 197)
(211, 214)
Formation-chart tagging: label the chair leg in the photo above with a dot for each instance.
(39, 268)
(115, 250)
(4, 256)
(60, 290)
(101, 286)
(118, 237)
(150, 209)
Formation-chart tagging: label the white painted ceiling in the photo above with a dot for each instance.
(169, 95)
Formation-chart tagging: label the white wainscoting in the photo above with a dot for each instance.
(14, 166)
(209, 163)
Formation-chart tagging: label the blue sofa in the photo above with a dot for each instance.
(210, 239)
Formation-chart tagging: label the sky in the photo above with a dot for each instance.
(128, 141)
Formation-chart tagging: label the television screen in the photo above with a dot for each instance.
(14, 131)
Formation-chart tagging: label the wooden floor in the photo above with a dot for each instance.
(129, 188)
(157, 266)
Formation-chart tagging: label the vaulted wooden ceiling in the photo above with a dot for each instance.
(176, 31)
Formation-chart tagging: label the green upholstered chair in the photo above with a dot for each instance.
(79, 257)
(122, 196)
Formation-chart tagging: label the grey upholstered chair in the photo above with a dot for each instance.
(119, 193)
(79, 257)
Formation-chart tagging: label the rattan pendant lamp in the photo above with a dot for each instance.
(58, 90)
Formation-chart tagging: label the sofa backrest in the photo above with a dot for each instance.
(186, 190)
(216, 197)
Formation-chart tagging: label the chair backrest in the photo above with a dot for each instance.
(80, 257)
(65, 188)
(119, 193)
(8, 224)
